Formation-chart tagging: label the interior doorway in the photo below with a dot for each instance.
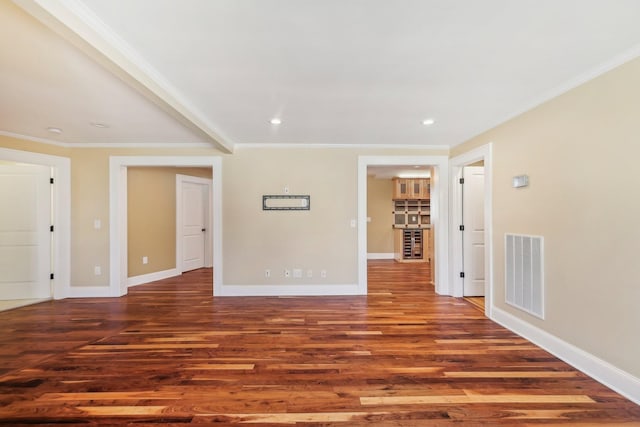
(473, 232)
(439, 214)
(193, 223)
(399, 227)
(57, 262)
(25, 235)
(472, 257)
(118, 165)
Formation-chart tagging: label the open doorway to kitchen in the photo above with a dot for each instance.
(402, 217)
(399, 228)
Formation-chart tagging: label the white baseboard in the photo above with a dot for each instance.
(152, 277)
(287, 290)
(602, 371)
(374, 255)
(90, 292)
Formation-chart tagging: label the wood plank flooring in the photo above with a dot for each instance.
(171, 354)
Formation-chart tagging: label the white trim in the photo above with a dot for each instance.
(90, 292)
(208, 255)
(119, 144)
(139, 145)
(290, 290)
(439, 213)
(34, 139)
(565, 87)
(81, 26)
(118, 212)
(152, 277)
(383, 255)
(351, 146)
(457, 163)
(602, 371)
(61, 196)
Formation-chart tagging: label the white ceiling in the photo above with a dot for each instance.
(364, 72)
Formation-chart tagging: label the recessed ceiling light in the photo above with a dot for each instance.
(99, 125)
(275, 121)
(428, 122)
(55, 130)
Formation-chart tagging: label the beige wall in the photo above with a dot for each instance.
(318, 239)
(581, 152)
(379, 207)
(151, 216)
(253, 240)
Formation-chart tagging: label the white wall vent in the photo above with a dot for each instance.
(524, 273)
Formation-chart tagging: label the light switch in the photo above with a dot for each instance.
(520, 181)
(97, 224)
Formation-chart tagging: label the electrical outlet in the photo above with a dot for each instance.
(97, 270)
(297, 273)
(287, 273)
(145, 260)
(267, 273)
(323, 274)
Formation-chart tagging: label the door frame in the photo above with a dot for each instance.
(118, 213)
(439, 214)
(61, 211)
(467, 247)
(483, 153)
(208, 208)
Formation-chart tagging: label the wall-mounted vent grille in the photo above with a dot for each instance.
(524, 273)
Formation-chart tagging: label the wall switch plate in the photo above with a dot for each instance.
(309, 273)
(97, 224)
(353, 223)
(323, 274)
(297, 273)
(267, 273)
(520, 181)
(97, 270)
(145, 260)
(287, 273)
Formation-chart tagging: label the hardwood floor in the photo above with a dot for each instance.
(477, 302)
(171, 354)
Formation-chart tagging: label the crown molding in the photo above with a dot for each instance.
(347, 146)
(79, 25)
(34, 139)
(565, 87)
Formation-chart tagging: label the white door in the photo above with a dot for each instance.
(473, 234)
(25, 237)
(194, 225)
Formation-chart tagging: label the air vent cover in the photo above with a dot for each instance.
(524, 278)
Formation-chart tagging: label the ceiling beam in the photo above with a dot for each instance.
(78, 25)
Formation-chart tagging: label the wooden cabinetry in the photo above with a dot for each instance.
(412, 245)
(411, 213)
(412, 219)
(411, 188)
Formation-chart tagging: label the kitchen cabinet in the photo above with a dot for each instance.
(411, 188)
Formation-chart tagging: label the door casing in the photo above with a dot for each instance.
(483, 153)
(207, 205)
(61, 206)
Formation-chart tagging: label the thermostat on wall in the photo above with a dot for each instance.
(520, 181)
